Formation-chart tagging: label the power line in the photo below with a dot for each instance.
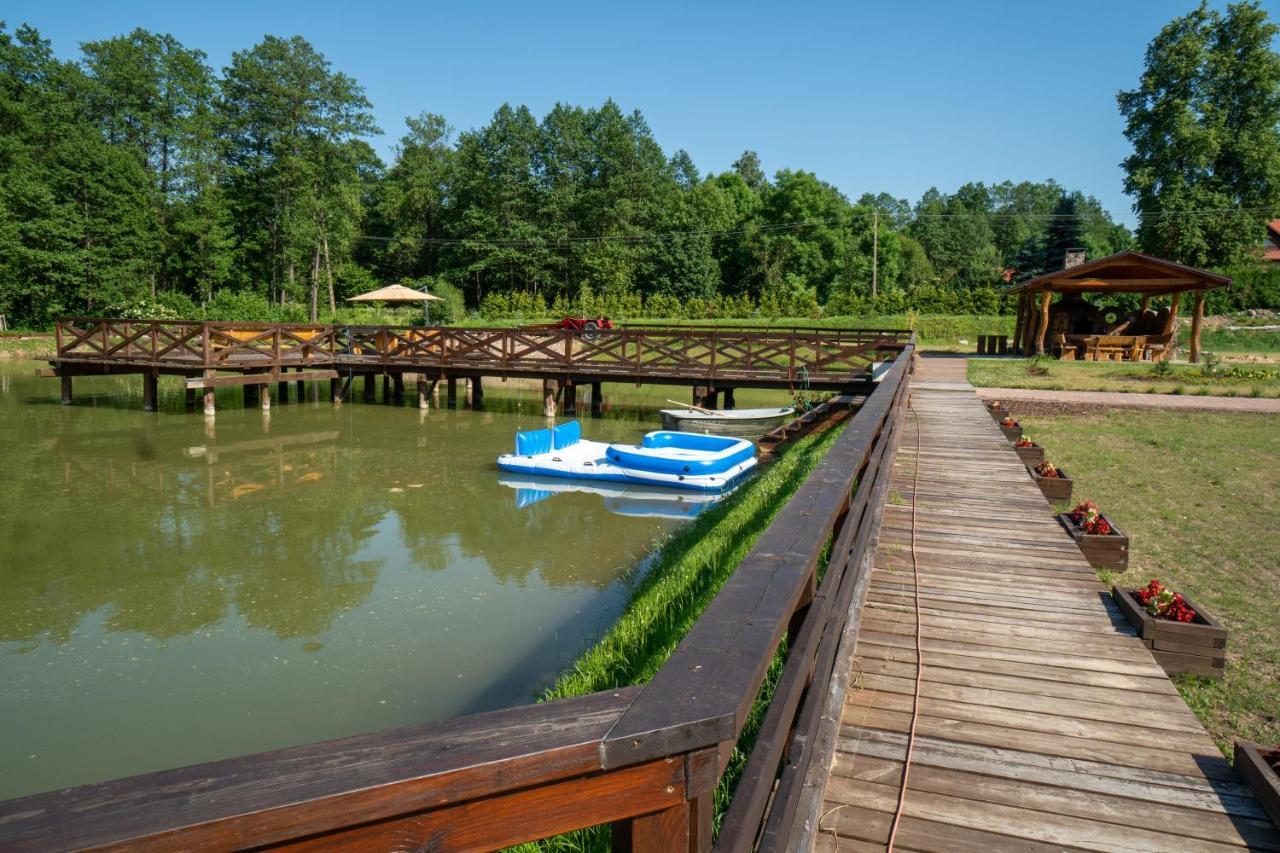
(642, 239)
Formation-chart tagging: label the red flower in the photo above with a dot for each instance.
(1162, 603)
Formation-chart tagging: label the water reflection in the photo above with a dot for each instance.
(179, 588)
(619, 498)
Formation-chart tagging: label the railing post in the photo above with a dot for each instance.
(104, 325)
(204, 347)
(57, 335)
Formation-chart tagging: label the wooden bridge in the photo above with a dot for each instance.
(1035, 728)
(710, 359)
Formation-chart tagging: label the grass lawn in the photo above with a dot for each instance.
(1199, 496)
(1230, 380)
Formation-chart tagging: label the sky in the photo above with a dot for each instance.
(884, 96)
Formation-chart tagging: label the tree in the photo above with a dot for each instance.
(748, 168)
(1204, 123)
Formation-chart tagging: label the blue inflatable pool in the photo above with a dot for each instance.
(676, 459)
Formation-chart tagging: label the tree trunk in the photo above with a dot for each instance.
(328, 269)
(315, 284)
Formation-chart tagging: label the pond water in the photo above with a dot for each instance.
(177, 590)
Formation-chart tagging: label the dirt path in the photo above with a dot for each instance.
(1059, 400)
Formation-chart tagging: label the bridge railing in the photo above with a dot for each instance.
(645, 759)
(701, 353)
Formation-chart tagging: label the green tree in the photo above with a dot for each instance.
(1204, 123)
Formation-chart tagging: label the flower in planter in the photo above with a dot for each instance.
(1008, 421)
(1163, 603)
(1089, 519)
(1048, 469)
(994, 404)
(1025, 442)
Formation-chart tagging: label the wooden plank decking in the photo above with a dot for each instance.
(1044, 723)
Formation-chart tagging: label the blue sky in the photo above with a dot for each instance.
(871, 96)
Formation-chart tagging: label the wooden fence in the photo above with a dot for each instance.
(645, 759)
(821, 357)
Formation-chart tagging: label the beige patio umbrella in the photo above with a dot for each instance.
(398, 293)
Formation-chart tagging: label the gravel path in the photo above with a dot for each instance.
(1118, 400)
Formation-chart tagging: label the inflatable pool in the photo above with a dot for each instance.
(676, 459)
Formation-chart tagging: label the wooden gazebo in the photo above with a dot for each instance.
(1073, 326)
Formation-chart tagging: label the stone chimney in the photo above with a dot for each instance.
(1074, 258)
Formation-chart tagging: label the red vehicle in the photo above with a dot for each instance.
(587, 325)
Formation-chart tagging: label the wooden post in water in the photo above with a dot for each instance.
(549, 405)
(149, 389)
(208, 394)
(422, 393)
(66, 390)
(250, 396)
(701, 393)
(477, 394)
(370, 388)
(335, 388)
(386, 388)
(451, 397)
(265, 392)
(597, 400)
(190, 402)
(282, 391)
(729, 402)
(397, 383)
(302, 389)
(570, 398)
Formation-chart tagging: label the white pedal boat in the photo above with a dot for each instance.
(679, 460)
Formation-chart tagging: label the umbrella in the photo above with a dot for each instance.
(397, 293)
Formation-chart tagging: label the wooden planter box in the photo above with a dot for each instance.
(1102, 552)
(1012, 433)
(1261, 779)
(1053, 488)
(1030, 455)
(1196, 648)
(997, 413)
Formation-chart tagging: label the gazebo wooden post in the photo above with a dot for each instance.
(1196, 320)
(1028, 326)
(1044, 321)
(1017, 327)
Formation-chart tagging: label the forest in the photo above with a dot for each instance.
(139, 181)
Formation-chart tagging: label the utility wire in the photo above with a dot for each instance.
(642, 239)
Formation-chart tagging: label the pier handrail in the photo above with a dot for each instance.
(828, 357)
(646, 759)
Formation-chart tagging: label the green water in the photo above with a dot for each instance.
(176, 590)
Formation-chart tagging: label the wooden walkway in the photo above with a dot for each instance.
(1044, 723)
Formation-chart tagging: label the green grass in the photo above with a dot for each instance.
(1229, 379)
(13, 346)
(1240, 340)
(1199, 496)
(685, 575)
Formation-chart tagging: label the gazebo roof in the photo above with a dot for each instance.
(1124, 272)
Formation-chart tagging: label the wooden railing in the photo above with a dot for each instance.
(821, 356)
(645, 759)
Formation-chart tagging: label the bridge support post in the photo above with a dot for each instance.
(149, 390)
(704, 397)
(302, 389)
(370, 388)
(451, 395)
(282, 391)
(570, 399)
(265, 393)
(386, 388)
(549, 403)
(190, 402)
(397, 382)
(336, 388)
(597, 400)
(66, 390)
(208, 394)
(250, 396)
(477, 394)
(423, 394)
(729, 402)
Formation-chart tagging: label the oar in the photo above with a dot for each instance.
(700, 409)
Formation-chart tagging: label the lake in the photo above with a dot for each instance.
(177, 590)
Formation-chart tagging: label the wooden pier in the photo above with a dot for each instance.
(710, 360)
(1043, 722)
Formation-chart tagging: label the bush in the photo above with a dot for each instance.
(454, 307)
(168, 305)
